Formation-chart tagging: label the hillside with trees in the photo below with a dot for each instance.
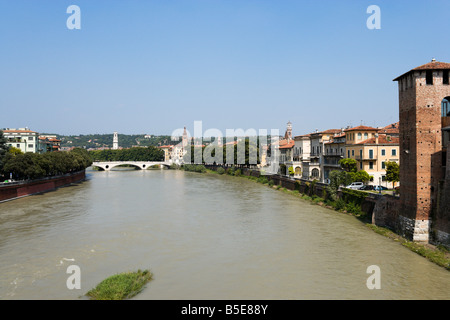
(94, 141)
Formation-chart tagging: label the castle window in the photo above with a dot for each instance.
(445, 77)
(429, 77)
(446, 107)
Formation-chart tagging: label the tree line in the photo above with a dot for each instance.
(245, 152)
(150, 153)
(27, 166)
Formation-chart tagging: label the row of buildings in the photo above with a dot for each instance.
(315, 155)
(31, 141)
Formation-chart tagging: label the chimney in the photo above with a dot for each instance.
(376, 138)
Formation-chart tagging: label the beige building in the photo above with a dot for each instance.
(372, 150)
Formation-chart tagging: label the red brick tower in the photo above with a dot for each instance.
(422, 91)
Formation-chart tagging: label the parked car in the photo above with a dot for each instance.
(355, 185)
(367, 187)
(379, 188)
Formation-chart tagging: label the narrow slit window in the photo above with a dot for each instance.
(429, 77)
(445, 77)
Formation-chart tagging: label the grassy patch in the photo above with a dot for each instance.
(436, 255)
(439, 255)
(121, 286)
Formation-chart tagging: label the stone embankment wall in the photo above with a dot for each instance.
(12, 191)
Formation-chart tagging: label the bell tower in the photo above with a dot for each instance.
(422, 92)
(115, 141)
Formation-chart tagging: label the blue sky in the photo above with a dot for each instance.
(155, 66)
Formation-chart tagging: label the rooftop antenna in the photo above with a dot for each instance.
(433, 60)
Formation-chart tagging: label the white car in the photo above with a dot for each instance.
(355, 185)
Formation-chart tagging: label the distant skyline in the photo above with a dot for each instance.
(150, 67)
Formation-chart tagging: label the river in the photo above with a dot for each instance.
(203, 236)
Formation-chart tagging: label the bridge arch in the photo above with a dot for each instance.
(142, 165)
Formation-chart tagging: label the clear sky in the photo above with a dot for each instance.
(155, 66)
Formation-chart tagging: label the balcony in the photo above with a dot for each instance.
(359, 158)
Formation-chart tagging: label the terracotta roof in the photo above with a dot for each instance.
(331, 131)
(284, 144)
(392, 128)
(302, 136)
(361, 128)
(382, 139)
(433, 65)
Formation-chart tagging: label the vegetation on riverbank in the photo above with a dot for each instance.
(26, 166)
(121, 286)
(132, 154)
(436, 254)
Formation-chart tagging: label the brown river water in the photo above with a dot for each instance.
(203, 236)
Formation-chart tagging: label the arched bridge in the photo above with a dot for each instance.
(143, 165)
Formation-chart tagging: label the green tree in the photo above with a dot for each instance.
(360, 176)
(392, 172)
(348, 164)
(3, 148)
(15, 150)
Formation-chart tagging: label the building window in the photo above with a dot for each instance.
(18, 145)
(359, 135)
(394, 152)
(383, 152)
(445, 107)
(429, 77)
(360, 165)
(383, 178)
(30, 138)
(445, 77)
(383, 165)
(315, 173)
(371, 165)
(370, 154)
(366, 136)
(353, 153)
(348, 153)
(360, 154)
(30, 146)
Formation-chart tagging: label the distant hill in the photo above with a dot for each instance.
(106, 140)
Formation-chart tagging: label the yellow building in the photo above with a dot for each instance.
(372, 150)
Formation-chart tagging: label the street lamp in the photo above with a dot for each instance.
(379, 184)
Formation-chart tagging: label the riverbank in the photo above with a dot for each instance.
(439, 255)
(12, 191)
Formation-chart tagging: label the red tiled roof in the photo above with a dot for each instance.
(392, 128)
(284, 144)
(382, 139)
(331, 131)
(433, 65)
(361, 128)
